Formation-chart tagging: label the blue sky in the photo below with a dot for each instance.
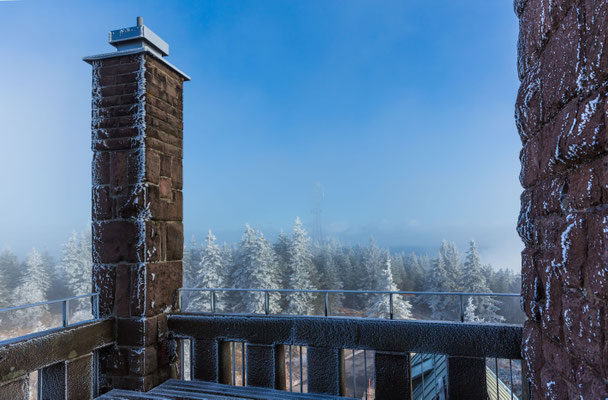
(402, 110)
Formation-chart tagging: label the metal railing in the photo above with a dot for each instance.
(326, 311)
(326, 294)
(65, 308)
(335, 347)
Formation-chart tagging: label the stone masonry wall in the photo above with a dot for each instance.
(137, 134)
(561, 118)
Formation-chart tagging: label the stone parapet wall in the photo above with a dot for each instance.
(137, 141)
(561, 118)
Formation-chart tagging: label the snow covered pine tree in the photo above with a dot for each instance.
(211, 275)
(301, 271)
(380, 305)
(475, 281)
(256, 267)
(34, 286)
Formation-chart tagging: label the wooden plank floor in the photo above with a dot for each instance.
(174, 389)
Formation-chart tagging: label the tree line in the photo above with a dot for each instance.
(292, 261)
(40, 278)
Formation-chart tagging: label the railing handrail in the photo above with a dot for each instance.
(459, 295)
(43, 303)
(347, 291)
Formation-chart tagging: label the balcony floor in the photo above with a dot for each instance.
(174, 389)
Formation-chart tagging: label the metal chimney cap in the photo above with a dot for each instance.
(137, 37)
(135, 40)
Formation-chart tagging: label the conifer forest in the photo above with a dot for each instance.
(293, 261)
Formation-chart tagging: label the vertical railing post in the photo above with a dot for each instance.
(266, 303)
(180, 299)
(213, 301)
(390, 304)
(326, 304)
(182, 345)
(64, 312)
(461, 308)
(96, 305)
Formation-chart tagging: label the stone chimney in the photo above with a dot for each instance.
(137, 142)
(561, 117)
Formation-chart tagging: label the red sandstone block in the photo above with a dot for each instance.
(175, 241)
(525, 223)
(547, 232)
(122, 132)
(530, 162)
(162, 131)
(107, 80)
(550, 161)
(584, 190)
(154, 288)
(595, 45)
(122, 296)
(551, 315)
(101, 203)
(163, 209)
(605, 348)
(164, 352)
(163, 328)
(153, 166)
(130, 204)
(115, 90)
(107, 62)
(532, 289)
(552, 386)
(135, 163)
(600, 166)
(532, 344)
(587, 138)
(155, 232)
(559, 67)
(595, 271)
(582, 327)
(137, 383)
(136, 332)
(139, 290)
(125, 78)
(115, 360)
(165, 279)
(115, 241)
(165, 165)
(164, 188)
(121, 111)
(548, 194)
(558, 359)
(101, 168)
(589, 384)
(534, 27)
(129, 99)
(175, 150)
(177, 178)
(528, 106)
(129, 59)
(143, 361)
(571, 249)
(115, 144)
(175, 109)
(110, 101)
(118, 175)
(104, 122)
(125, 68)
(104, 281)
